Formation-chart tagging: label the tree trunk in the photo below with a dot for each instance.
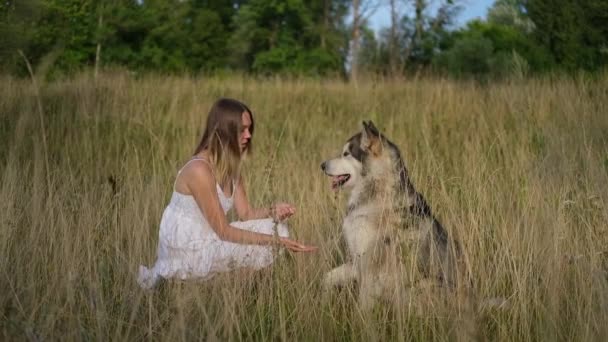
(393, 40)
(274, 35)
(98, 52)
(354, 68)
(420, 5)
(325, 27)
(417, 36)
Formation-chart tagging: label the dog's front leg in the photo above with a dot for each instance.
(370, 290)
(340, 276)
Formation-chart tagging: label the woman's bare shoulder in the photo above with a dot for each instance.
(195, 172)
(198, 167)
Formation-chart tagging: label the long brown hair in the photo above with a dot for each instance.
(221, 138)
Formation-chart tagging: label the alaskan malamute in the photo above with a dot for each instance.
(394, 240)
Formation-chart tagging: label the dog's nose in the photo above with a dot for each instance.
(323, 166)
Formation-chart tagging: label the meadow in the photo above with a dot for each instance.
(517, 170)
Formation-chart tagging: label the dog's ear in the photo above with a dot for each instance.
(372, 128)
(370, 138)
(364, 123)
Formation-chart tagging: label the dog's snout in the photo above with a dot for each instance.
(323, 166)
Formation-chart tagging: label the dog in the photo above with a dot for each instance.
(393, 238)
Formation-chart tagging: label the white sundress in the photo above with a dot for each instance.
(189, 249)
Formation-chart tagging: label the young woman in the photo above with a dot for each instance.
(196, 240)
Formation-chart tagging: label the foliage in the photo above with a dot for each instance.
(574, 32)
(16, 31)
(300, 37)
(418, 37)
(485, 48)
(283, 36)
(511, 13)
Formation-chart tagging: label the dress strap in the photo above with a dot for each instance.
(188, 162)
(193, 159)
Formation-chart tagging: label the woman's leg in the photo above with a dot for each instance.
(230, 255)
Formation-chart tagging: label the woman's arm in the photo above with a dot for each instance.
(279, 211)
(202, 186)
(243, 209)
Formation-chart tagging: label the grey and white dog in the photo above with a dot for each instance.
(394, 240)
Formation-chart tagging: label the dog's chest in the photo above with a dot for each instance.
(360, 229)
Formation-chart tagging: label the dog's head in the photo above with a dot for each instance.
(347, 169)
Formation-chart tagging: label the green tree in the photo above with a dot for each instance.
(416, 39)
(471, 55)
(16, 31)
(374, 56)
(171, 36)
(575, 32)
(65, 27)
(185, 36)
(283, 36)
(67, 30)
(511, 13)
(168, 36)
(488, 49)
(125, 28)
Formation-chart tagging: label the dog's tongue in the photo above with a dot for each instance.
(335, 181)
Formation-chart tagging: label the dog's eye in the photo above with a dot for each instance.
(345, 154)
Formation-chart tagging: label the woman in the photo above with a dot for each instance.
(196, 240)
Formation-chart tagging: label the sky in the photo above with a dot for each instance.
(471, 9)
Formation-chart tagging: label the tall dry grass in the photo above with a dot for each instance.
(517, 170)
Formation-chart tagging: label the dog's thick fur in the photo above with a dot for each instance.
(394, 240)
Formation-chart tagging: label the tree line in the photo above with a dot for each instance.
(303, 37)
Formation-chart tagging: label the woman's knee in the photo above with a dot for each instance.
(281, 229)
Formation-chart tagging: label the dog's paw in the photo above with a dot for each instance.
(327, 283)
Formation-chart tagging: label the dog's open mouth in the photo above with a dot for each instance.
(338, 181)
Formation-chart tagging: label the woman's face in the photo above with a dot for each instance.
(245, 134)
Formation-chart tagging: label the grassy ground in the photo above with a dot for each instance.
(517, 170)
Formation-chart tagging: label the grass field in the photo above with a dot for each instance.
(517, 170)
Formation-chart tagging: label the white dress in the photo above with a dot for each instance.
(189, 249)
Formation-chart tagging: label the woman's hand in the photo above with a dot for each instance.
(295, 246)
(282, 211)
